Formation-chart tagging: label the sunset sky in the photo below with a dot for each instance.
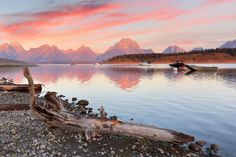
(99, 24)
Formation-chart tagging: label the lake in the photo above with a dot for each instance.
(202, 104)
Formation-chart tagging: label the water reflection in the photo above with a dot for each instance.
(199, 103)
(126, 78)
(53, 73)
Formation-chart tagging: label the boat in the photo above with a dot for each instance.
(202, 68)
(72, 64)
(20, 87)
(145, 64)
(178, 65)
(97, 64)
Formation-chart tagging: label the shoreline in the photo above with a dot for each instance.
(233, 62)
(23, 135)
(10, 65)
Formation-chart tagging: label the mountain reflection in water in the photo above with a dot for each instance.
(124, 77)
(202, 104)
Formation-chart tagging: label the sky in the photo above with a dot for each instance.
(99, 24)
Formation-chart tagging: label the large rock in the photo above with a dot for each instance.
(83, 103)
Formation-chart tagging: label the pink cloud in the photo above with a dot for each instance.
(47, 19)
(214, 2)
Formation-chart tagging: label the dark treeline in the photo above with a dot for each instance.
(157, 56)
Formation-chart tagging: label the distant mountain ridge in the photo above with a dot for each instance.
(12, 50)
(173, 49)
(123, 47)
(52, 54)
(46, 54)
(83, 54)
(229, 44)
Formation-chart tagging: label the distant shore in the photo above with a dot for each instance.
(199, 57)
(14, 63)
(22, 65)
(168, 62)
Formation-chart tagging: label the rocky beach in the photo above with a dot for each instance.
(23, 135)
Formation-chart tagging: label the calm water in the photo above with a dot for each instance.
(200, 104)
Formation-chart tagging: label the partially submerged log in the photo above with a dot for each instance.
(20, 87)
(54, 113)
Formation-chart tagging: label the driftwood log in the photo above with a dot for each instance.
(20, 87)
(54, 113)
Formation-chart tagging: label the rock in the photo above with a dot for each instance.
(215, 148)
(200, 142)
(42, 146)
(112, 152)
(83, 103)
(74, 99)
(61, 96)
(192, 155)
(113, 117)
(90, 110)
(85, 144)
(103, 153)
(160, 150)
(133, 146)
(194, 147)
(83, 111)
(13, 131)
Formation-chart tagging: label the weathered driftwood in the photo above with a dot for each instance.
(12, 107)
(55, 114)
(20, 87)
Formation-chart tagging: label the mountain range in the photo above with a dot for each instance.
(229, 44)
(173, 49)
(197, 49)
(123, 47)
(52, 54)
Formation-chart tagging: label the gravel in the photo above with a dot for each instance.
(14, 98)
(23, 135)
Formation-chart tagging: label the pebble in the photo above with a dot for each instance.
(42, 146)
(215, 148)
(85, 144)
(74, 99)
(194, 147)
(201, 143)
(191, 155)
(160, 150)
(112, 152)
(103, 153)
(13, 131)
(23, 135)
